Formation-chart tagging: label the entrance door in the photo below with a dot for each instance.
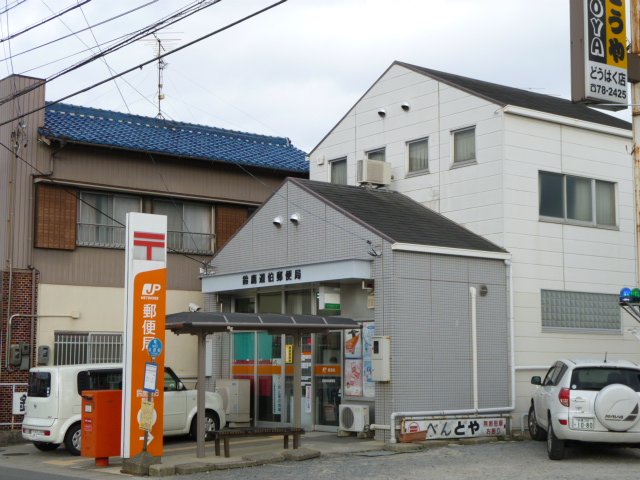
(328, 379)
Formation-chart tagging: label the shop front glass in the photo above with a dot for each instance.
(267, 361)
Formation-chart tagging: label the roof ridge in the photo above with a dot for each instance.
(504, 95)
(132, 117)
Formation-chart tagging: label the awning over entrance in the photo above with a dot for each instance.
(205, 323)
(197, 322)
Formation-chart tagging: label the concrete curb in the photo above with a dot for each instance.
(193, 467)
(299, 454)
(264, 458)
(11, 437)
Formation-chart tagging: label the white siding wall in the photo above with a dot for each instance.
(498, 198)
(472, 195)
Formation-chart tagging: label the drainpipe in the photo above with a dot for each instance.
(474, 411)
(474, 347)
(9, 323)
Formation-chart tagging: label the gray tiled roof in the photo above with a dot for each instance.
(396, 217)
(504, 96)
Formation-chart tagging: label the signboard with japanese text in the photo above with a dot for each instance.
(599, 52)
(145, 312)
(452, 428)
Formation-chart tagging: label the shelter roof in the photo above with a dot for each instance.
(211, 322)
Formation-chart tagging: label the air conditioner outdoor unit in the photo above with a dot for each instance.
(354, 418)
(374, 171)
(235, 395)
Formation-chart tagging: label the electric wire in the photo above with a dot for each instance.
(111, 70)
(23, 31)
(171, 52)
(77, 32)
(128, 39)
(70, 192)
(7, 7)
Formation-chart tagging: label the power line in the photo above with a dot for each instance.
(79, 31)
(7, 7)
(44, 21)
(73, 194)
(128, 39)
(144, 63)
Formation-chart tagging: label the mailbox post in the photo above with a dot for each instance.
(101, 425)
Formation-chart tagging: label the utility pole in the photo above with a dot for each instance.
(635, 99)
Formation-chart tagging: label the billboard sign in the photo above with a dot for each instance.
(599, 52)
(145, 312)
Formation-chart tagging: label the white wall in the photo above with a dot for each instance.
(498, 198)
(102, 310)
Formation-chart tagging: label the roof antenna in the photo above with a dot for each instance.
(605, 357)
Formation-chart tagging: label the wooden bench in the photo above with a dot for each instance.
(226, 435)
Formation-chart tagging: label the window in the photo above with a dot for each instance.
(103, 218)
(418, 156)
(100, 380)
(580, 312)
(596, 378)
(583, 201)
(554, 374)
(188, 226)
(87, 347)
(377, 155)
(39, 384)
(339, 171)
(464, 146)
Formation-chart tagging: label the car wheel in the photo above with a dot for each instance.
(45, 447)
(211, 424)
(73, 440)
(555, 446)
(535, 431)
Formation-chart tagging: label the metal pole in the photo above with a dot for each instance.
(202, 348)
(635, 50)
(297, 380)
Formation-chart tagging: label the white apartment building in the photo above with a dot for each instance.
(549, 181)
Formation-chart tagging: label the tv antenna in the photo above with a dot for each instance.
(161, 46)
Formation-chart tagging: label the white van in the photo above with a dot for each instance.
(53, 407)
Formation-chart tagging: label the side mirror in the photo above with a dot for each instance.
(536, 380)
(179, 386)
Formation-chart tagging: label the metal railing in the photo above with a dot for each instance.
(114, 236)
(77, 348)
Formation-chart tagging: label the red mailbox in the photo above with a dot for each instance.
(101, 425)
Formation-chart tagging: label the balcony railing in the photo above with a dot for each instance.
(114, 236)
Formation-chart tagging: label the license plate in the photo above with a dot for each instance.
(582, 423)
(34, 434)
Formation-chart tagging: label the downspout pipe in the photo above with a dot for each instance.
(473, 411)
(474, 345)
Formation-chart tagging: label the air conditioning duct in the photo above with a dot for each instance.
(374, 172)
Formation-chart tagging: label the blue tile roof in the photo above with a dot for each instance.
(109, 128)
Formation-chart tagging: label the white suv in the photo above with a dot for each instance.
(586, 400)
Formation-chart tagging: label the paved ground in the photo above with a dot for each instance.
(342, 460)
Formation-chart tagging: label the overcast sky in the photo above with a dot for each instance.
(291, 71)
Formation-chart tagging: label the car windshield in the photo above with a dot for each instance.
(596, 378)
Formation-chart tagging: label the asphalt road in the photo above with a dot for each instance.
(521, 460)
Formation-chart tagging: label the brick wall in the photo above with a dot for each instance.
(21, 303)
